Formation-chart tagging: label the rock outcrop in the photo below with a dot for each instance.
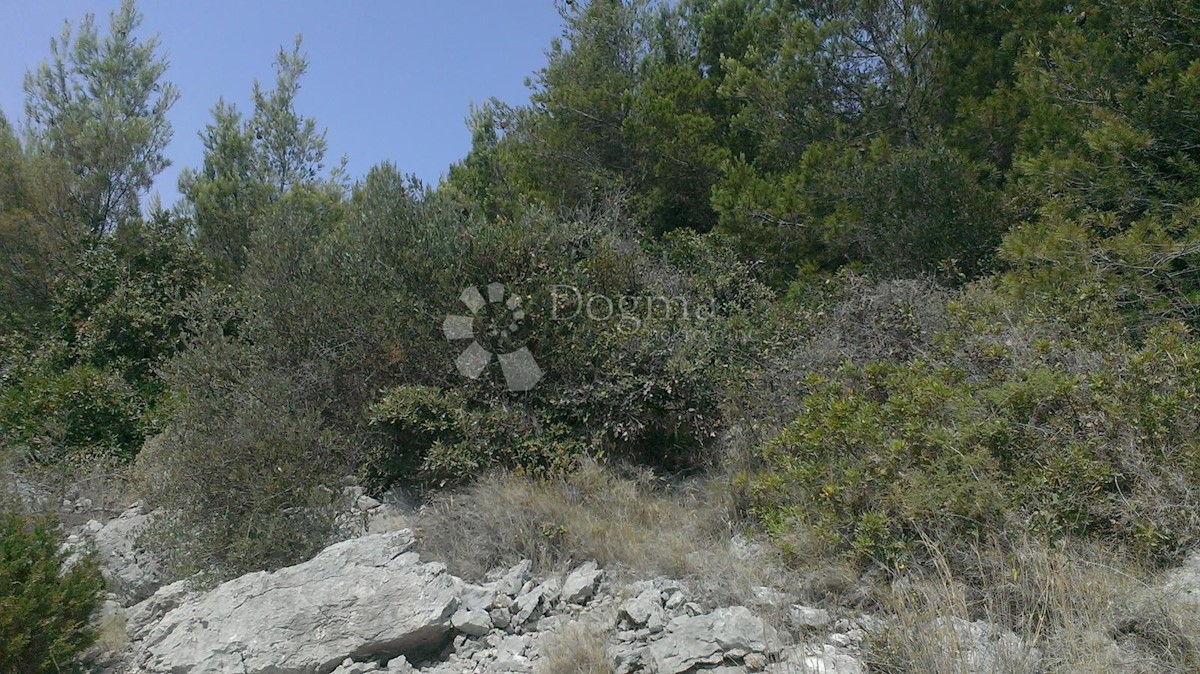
(131, 572)
(369, 605)
(363, 599)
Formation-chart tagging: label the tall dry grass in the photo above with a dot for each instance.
(1071, 608)
(630, 522)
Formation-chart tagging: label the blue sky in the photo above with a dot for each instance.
(388, 80)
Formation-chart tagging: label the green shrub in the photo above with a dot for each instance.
(84, 384)
(46, 604)
(120, 310)
(331, 359)
(246, 470)
(437, 434)
(77, 411)
(884, 454)
(879, 452)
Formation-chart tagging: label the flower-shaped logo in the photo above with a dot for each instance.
(501, 323)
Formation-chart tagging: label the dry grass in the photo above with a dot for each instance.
(104, 482)
(1075, 609)
(577, 648)
(1070, 608)
(111, 634)
(631, 523)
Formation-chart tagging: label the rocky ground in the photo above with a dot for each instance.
(371, 604)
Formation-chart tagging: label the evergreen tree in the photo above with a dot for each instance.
(99, 106)
(250, 165)
(227, 193)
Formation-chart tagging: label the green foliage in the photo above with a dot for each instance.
(438, 434)
(249, 166)
(885, 454)
(99, 106)
(341, 302)
(46, 604)
(779, 124)
(289, 147)
(120, 310)
(878, 160)
(480, 176)
(891, 451)
(1108, 163)
(80, 411)
(621, 105)
(89, 288)
(227, 192)
(36, 242)
(87, 384)
(246, 467)
(896, 211)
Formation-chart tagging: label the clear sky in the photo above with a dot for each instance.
(388, 80)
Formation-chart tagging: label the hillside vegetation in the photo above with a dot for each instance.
(911, 286)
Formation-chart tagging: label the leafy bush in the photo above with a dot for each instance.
(438, 434)
(120, 310)
(82, 410)
(86, 384)
(879, 451)
(246, 469)
(46, 604)
(885, 453)
(351, 302)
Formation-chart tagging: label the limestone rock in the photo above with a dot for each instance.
(726, 634)
(984, 647)
(581, 583)
(807, 616)
(366, 599)
(501, 618)
(826, 659)
(645, 610)
(472, 622)
(365, 502)
(141, 616)
(131, 572)
(511, 581)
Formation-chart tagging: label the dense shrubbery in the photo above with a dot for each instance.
(993, 430)
(271, 502)
(89, 387)
(46, 603)
(910, 269)
(342, 339)
(81, 410)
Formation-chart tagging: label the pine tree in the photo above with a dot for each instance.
(99, 106)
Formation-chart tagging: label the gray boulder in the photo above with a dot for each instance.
(725, 635)
(510, 582)
(644, 610)
(131, 572)
(142, 616)
(808, 617)
(581, 583)
(534, 603)
(472, 622)
(366, 599)
(823, 659)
